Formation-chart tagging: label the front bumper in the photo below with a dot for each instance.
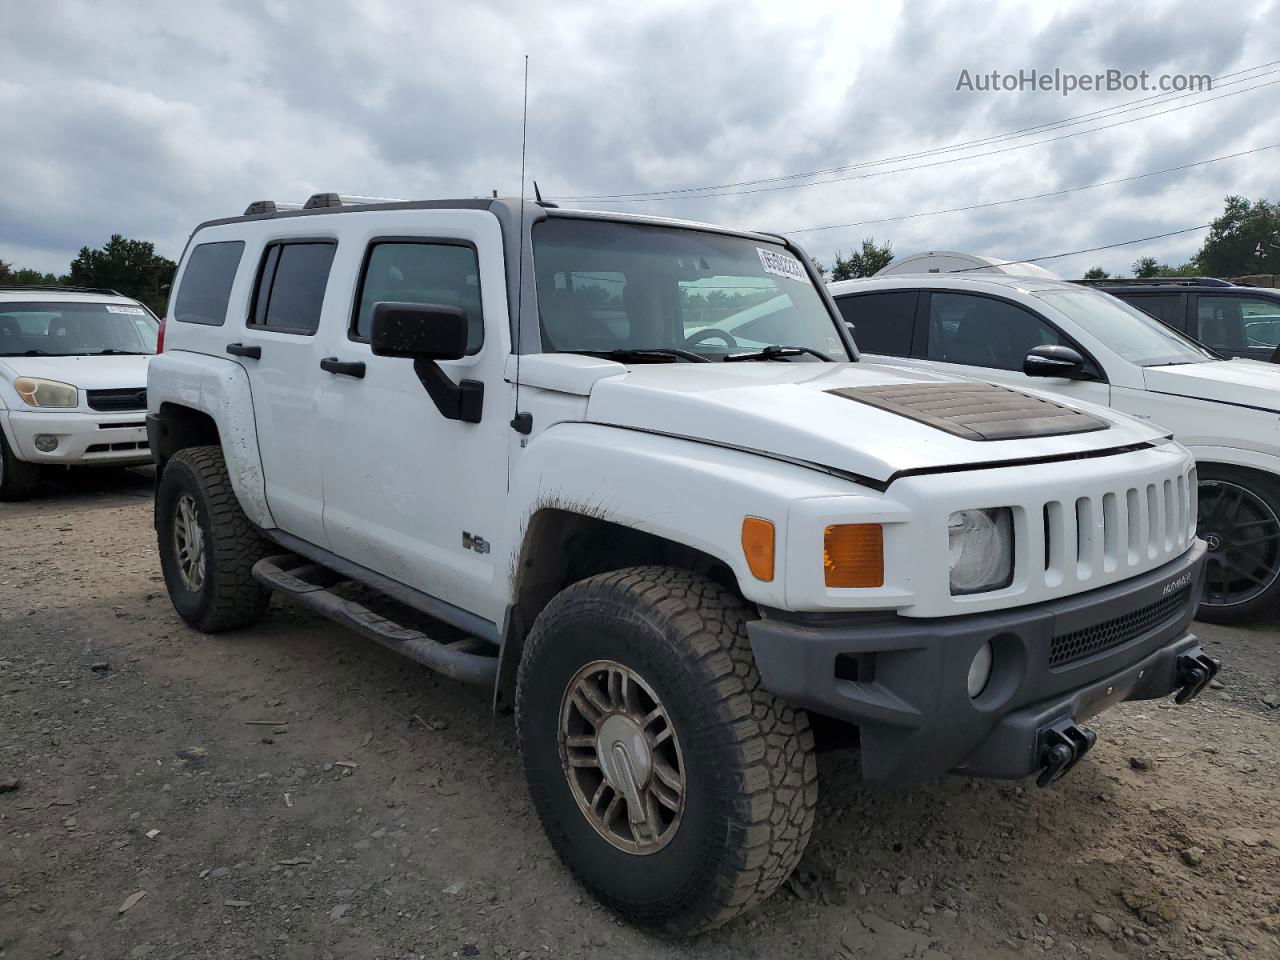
(84, 437)
(903, 682)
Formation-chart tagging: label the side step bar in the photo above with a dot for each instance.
(309, 584)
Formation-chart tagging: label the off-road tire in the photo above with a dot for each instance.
(1266, 489)
(230, 597)
(18, 479)
(751, 777)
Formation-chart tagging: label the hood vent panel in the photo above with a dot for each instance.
(975, 411)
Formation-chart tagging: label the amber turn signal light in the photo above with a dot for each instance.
(853, 555)
(757, 546)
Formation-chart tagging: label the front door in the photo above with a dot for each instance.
(409, 493)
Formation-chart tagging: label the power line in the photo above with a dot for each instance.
(923, 166)
(1073, 253)
(1036, 196)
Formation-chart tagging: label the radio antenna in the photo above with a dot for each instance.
(521, 422)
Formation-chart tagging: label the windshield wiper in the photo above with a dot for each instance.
(118, 353)
(646, 353)
(31, 353)
(777, 352)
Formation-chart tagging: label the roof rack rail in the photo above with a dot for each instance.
(61, 288)
(270, 206)
(1157, 281)
(317, 200)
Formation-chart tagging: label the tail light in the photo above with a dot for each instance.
(160, 336)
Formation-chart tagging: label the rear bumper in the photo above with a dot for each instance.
(904, 682)
(83, 437)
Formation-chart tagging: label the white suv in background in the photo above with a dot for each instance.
(1082, 344)
(73, 376)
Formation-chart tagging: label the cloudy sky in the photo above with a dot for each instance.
(136, 118)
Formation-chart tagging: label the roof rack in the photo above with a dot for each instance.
(60, 288)
(270, 206)
(343, 200)
(1158, 281)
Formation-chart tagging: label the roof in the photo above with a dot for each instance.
(24, 293)
(955, 281)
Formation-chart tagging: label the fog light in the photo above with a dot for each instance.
(46, 442)
(980, 670)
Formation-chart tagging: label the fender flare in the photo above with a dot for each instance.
(1235, 457)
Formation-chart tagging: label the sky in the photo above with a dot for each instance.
(145, 118)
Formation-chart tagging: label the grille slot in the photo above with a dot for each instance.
(110, 401)
(1087, 641)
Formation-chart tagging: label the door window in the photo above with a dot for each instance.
(983, 332)
(206, 283)
(882, 321)
(1238, 323)
(291, 286)
(441, 274)
(1165, 307)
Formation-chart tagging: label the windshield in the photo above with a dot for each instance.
(56, 329)
(607, 287)
(1128, 331)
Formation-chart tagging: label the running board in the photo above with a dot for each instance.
(310, 585)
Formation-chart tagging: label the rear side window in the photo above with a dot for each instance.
(402, 271)
(206, 283)
(882, 321)
(291, 284)
(1167, 308)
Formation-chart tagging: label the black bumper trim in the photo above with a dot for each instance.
(912, 705)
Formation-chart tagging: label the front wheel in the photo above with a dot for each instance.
(1239, 520)
(18, 478)
(671, 783)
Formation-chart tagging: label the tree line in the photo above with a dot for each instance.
(131, 267)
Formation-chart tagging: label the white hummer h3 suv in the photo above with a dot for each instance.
(636, 466)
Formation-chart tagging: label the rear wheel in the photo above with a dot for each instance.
(1239, 520)
(18, 478)
(207, 545)
(671, 783)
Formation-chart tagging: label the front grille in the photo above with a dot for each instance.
(111, 401)
(1079, 644)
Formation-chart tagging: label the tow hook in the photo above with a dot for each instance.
(1061, 746)
(1195, 670)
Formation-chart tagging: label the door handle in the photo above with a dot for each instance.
(240, 350)
(350, 368)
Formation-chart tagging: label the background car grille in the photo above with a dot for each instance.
(1079, 644)
(129, 398)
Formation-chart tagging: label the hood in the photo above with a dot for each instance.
(1247, 382)
(87, 373)
(787, 410)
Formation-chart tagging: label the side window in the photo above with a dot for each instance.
(1238, 323)
(1166, 307)
(291, 284)
(882, 321)
(983, 332)
(401, 271)
(206, 283)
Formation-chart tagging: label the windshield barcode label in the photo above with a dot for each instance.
(781, 265)
(132, 311)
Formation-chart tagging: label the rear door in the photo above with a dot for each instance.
(1238, 325)
(280, 350)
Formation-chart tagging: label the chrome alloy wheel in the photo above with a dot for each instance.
(622, 757)
(188, 542)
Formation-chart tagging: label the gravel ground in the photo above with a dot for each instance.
(292, 791)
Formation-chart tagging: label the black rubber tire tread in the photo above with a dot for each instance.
(1268, 603)
(19, 477)
(231, 597)
(770, 770)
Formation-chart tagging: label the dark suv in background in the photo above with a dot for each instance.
(1234, 320)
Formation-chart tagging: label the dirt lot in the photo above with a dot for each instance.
(295, 792)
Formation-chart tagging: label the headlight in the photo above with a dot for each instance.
(46, 393)
(981, 550)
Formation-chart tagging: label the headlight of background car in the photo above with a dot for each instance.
(981, 550)
(46, 393)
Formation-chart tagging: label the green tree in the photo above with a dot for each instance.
(872, 258)
(1145, 267)
(9, 274)
(1244, 240)
(1096, 273)
(130, 266)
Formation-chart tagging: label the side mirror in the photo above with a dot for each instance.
(1055, 361)
(419, 331)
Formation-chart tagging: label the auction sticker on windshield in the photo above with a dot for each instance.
(782, 265)
(131, 311)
